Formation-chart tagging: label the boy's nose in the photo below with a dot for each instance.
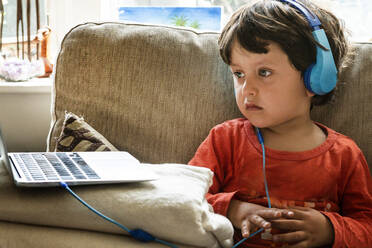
(249, 89)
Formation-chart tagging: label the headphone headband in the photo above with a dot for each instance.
(310, 16)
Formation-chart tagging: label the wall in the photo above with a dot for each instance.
(25, 114)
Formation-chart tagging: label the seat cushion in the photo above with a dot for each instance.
(163, 207)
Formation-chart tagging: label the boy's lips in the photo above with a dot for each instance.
(252, 107)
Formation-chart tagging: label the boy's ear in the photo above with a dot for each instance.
(309, 93)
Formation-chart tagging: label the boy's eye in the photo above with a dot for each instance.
(264, 73)
(239, 74)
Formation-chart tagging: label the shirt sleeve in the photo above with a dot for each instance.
(353, 225)
(211, 154)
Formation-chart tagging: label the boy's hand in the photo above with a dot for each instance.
(248, 216)
(307, 228)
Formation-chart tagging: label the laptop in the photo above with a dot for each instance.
(46, 169)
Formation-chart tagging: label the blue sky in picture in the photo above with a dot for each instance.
(208, 18)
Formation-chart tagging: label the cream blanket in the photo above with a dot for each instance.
(172, 208)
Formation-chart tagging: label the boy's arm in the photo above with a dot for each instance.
(220, 201)
(211, 154)
(353, 226)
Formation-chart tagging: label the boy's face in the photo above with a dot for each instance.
(269, 90)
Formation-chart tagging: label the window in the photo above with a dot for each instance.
(357, 14)
(223, 7)
(201, 18)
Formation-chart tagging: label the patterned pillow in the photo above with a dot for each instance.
(79, 136)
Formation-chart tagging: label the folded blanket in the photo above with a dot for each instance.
(172, 208)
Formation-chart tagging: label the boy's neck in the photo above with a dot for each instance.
(294, 137)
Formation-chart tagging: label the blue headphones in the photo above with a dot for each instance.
(321, 77)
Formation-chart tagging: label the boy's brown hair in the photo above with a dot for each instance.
(253, 25)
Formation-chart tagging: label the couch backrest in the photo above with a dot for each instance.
(157, 91)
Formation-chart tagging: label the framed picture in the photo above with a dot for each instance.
(200, 18)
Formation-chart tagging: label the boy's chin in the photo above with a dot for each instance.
(257, 123)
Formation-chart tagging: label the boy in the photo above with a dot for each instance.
(316, 179)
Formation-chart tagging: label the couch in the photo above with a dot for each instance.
(155, 92)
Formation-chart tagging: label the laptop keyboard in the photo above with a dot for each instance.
(54, 166)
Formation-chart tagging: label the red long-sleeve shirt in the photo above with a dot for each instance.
(332, 178)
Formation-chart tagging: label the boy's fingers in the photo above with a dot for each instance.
(259, 221)
(274, 213)
(300, 212)
(245, 228)
(287, 213)
(287, 224)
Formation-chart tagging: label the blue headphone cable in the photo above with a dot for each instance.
(260, 139)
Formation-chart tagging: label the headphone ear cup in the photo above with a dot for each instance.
(321, 77)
